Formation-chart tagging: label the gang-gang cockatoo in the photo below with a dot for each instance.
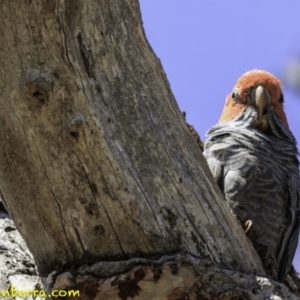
(253, 156)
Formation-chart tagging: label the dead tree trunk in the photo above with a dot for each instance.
(98, 169)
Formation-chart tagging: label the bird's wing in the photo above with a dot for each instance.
(290, 241)
(227, 162)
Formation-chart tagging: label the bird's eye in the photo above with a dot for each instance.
(280, 100)
(235, 95)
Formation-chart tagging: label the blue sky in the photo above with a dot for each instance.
(205, 46)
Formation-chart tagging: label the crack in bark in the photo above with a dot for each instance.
(78, 238)
(86, 57)
(64, 39)
(106, 269)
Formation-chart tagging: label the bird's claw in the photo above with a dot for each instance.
(248, 225)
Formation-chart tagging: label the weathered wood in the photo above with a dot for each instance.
(17, 267)
(97, 162)
(170, 278)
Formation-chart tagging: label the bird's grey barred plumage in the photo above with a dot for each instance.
(253, 157)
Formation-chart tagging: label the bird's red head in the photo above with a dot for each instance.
(257, 88)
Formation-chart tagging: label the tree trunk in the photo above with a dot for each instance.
(98, 169)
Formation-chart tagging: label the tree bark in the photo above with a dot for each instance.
(98, 169)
